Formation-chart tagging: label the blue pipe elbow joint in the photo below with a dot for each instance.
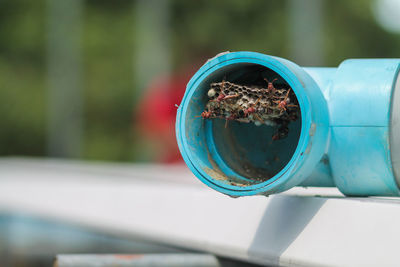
(347, 134)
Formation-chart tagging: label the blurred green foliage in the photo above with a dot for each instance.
(198, 30)
(108, 80)
(22, 78)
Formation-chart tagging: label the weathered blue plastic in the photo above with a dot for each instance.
(342, 138)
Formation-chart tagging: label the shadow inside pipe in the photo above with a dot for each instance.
(284, 219)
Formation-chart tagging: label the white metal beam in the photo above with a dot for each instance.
(304, 227)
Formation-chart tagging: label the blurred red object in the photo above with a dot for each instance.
(156, 116)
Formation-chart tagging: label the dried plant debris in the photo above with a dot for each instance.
(248, 104)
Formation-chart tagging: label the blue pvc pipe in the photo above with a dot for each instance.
(341, 139)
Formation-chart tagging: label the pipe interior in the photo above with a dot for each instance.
(241, 153)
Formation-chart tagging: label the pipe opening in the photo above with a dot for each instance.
(239, 153)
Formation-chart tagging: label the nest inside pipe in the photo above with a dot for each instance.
(248, 104)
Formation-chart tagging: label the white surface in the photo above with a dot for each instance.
(169, 205)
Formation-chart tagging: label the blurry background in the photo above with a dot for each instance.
(99, 80)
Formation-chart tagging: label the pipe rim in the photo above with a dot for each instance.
(273, 184)
(394, 129)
